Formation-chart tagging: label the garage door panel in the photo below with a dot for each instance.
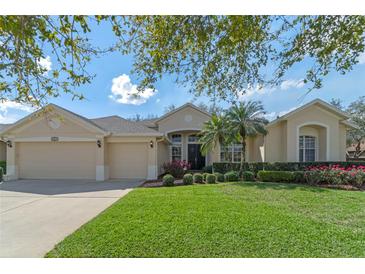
(63, 160)
(128, 160)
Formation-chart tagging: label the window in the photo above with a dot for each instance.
(176, 138)
(231, 153)
(307, 148)
(176, 152)
(176, 148)
(193, 138)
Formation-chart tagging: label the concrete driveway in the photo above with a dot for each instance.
(37, 214)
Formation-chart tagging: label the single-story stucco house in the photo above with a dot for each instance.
(59, 144)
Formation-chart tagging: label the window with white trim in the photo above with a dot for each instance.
(307, 148)
(176, 147)
(231, 153)
(193, 138)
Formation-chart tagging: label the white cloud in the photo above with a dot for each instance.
(291, 83)
(7, 106)
(124, 92)
(361, 58)
(273, 115)
(45, 63)
(253, 91)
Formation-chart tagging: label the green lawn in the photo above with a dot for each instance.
(225, 220)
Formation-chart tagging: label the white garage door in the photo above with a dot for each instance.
(55, 160)
(128, 160)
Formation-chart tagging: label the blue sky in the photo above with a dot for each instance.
(105, 96)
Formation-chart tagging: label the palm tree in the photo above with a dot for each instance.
(246, 119)
(214, 132)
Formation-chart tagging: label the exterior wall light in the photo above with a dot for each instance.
(9, 143)
(98, 143)
(151, 144)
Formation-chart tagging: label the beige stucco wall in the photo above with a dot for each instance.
(2, 151)
(275, 143)
(184, 119)
(40, 127)
(281, 143)
(162, 155)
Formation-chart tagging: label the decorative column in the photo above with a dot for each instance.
(152, 160)
(11, 162)
(101, 168)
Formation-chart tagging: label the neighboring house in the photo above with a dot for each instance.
(60, 144)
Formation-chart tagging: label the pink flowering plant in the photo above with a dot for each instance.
(176, 168)
(336, 175)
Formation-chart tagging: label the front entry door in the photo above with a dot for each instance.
(195, 158)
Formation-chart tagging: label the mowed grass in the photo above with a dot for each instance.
(225, 220)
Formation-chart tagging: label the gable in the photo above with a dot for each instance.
(186, 118)
(314, 113)
(54, 122)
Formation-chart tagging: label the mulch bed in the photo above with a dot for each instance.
(158, 183)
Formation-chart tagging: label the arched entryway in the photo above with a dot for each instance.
(312, 142)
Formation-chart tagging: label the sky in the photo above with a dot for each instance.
(108, 94)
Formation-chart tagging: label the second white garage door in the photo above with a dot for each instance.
(128, 160)
(48, 160)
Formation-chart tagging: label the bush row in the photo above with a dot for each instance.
(255, 167)
(208, 178)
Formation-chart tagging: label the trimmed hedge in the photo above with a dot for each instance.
(168, 180)
(248, 176)
(219, 177)
(208, 169)
(3, 166)
(255, 167)
(188, 179)
(205, 176)
(1, 174)
(275, 176)
(198, 178)
(231, 176)
(210, 179)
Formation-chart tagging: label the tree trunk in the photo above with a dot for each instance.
(243, 154)
(357, 149)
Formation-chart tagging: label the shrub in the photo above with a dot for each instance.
(176, 168)
(231, 176)
(275, 176)
(208, 169)
(298, 177)
(3, 166)
(168, 180)
(1, 174)
(255, 167)
(188, 179)
(219, 177)
(210, 179)
(248, 176)
(198, 178)
(205, 176)
(336, 174)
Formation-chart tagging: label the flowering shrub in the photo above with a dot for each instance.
(351, 175)
(176, 168)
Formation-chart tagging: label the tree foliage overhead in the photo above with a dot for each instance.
(218, 56)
